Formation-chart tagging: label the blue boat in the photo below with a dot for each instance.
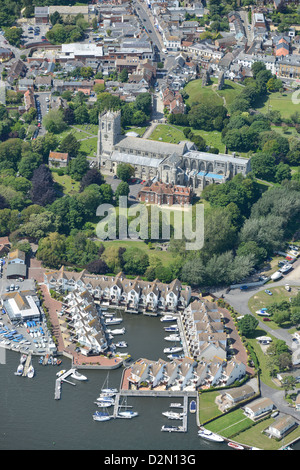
(193, 406)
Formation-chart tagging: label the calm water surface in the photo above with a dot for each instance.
(30, 418)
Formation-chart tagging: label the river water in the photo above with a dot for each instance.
(30, 418)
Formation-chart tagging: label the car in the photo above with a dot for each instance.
(39, 124)
(266, 319)
(115, 177)
(244, 287)
(267, 291)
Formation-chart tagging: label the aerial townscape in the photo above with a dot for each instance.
(177, 107)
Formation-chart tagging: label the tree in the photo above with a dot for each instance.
(122, 190)
(13, 36)
(283, 171)
(97, 267)
(54, 121)
(125, 171)
(135, 261)
(248, 325)
(42, 191)
(78, 167)
(92, 176)
(70, 145)
(263, 166)
(51, 250)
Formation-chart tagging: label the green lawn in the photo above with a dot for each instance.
(280, 102)
(173, 134)
(229, 424)
(207, 406)
(67, 184)
(208, 94)
(167, 133)
(165, 257)
(262, 299)
(256, 438)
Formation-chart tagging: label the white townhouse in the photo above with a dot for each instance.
(132, 294)
(247, 60)
(282, 426)
(206, 51)
(258, 408)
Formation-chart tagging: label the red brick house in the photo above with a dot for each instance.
(164, 193)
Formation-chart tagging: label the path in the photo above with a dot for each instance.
(150, 130)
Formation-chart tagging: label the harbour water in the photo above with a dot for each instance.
(30, 418)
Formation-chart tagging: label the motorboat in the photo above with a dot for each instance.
(176, 405)
(166, 318)
(171, 328)
(113, 321)
(101, 416)
(193, 406)
(175, 356)
(236, 446)
(76, 375)
(173, 338)
(210, 436)
(61, 372)
(170, 428)
(121, 344)
(41, 360)
(117, 331)
(172, 350)
(173, 415)
(127, 414)
(30, 372)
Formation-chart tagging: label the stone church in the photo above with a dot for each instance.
(178, 164)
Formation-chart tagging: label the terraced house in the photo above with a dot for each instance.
(134, 295)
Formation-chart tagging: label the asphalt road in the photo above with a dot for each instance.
(144, 16)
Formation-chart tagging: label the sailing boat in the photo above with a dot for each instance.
(127, 414)
(105, 391)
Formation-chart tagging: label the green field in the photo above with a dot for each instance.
(229, 424)
(66, 183)
(173, 134)
(280, 102)
(208, 94)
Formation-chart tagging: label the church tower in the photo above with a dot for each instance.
(109, 132)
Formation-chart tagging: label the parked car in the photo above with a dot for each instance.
(267, 291)
(266, 319)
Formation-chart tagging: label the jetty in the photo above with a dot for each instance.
(27, 365)
(58, 382)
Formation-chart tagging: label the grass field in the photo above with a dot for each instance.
(67, 184)
(230, 424)
(173, 134)
(280, 102)
(208, 94)
(207, 406)
(261, 299)
(166, 257)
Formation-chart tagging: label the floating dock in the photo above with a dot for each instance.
(27, 365)
(59, 380)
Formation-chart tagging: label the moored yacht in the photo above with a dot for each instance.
(166, 318)
(127, 414)
(173, 415)
(76, 375)
(121, 344)
(101, 416)
(30, 372)
(175, 338)
(210, 436)
(174, 349)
